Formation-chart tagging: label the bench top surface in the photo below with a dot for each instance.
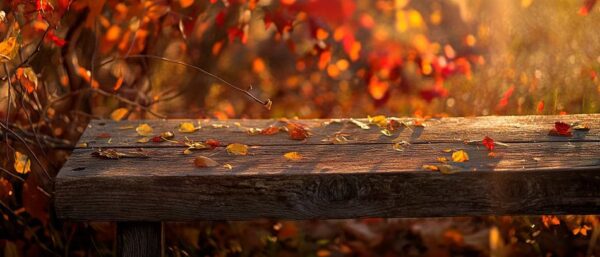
(345, 171)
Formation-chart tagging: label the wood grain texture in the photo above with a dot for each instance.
(504, 128)
(139, 239)
(332, 181)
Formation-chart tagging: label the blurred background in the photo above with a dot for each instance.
(65, 62)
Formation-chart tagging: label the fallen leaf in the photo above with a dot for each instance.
(144, 130)
(446, 169)
(399, 146)
(561, 129)
(447, 150)
(378, 120)
(204, 162)
(103, 135)
(580, 127)
(271, 130)
(386, 132)
(297, 131)
(293, 156)
(22, 163)
(227, 166)
(187, 127)
(213, 143)
(119, 114)
(360, 124)
(167, 135)
(430, 167)
(488, 142)
(143, 140)
(460, 156)
(442, 159)
(237, 149)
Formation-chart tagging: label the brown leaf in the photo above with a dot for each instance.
(204, 162)
(237, 149)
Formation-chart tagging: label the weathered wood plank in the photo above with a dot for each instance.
(504, 128)
(332, 181)
(139, 239)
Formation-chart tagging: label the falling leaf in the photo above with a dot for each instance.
(297, 131)
(293, 156)
(460, 156)
(8, 49)
(237, 149)
(271, 130)
(187, 127)
(144, 130)
(488, 142)
(360, 124)
(114, 154)
(119, 114)
(204, 162)
(22, 163)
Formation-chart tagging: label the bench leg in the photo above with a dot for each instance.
(139, 239)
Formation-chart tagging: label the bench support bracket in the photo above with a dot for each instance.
(137, 239)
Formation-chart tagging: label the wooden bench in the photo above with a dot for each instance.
(346, 172)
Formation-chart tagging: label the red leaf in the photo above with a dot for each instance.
(213, 143)
(297, 131)
(489, 143)
(157, 139)
(562, 128)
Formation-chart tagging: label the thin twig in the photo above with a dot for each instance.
(12, 174)
(267, 103)
(6, 128)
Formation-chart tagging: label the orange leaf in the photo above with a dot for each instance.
(297, 131)
(22, 163)
(119, 114)
(293, 156)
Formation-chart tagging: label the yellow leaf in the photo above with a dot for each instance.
(227, 166)
(447, 150)
(293, 156)
(8, 49)
(386, 132)
(378, 120)
(187, 127)
(237, 149)
(22, 163)
(118, 114)
(143, 140)
(204, 162)
(442, 159)
(144, 130)
(361, 124)
(460, 156)
(399, 146)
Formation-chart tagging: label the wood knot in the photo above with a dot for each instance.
(338, 188)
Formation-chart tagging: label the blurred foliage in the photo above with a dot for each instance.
(64, 62)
